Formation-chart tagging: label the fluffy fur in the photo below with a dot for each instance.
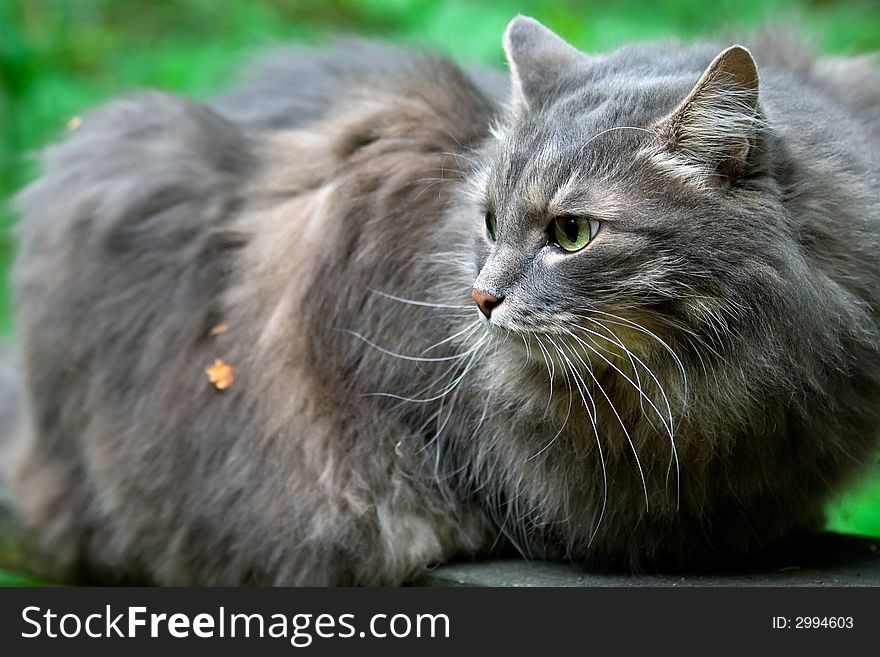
(688, 388)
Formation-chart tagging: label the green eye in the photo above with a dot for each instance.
(491, 224)
(574, 233)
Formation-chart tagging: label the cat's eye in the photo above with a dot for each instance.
(491, 225)
(573, 233)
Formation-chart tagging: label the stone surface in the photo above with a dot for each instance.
(825, 560)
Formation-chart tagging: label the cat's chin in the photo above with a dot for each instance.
(555, 355)
(501, 322)
(519, 344)
(502, 330)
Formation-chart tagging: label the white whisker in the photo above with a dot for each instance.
(419, 359)
(667, 422)
(551, 369)
(589, 371)
(584, 392)
(469, 330)
(616, 319)
(413, 302)
(668, 425)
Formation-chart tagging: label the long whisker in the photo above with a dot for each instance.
(419, 359)
(470, 330)
(456, 367)
(584, 392)
(670, 426)
(639, 327)
(413, 302)
(614, 129)
(528, 347)
(620, 421)
(551, 370)
(666, 421)
(613, 339)
(442, 426)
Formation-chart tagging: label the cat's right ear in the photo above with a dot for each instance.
(534, 54)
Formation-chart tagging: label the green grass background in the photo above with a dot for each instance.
(60, 57)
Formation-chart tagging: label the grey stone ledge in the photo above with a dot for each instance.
(823, 560)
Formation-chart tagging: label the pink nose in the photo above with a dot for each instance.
(485, 301)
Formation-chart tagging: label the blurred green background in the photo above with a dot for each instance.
(60, 57)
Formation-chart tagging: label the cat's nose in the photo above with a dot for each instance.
(485, 301)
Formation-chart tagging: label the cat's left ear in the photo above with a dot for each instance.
(535, 56)
(712, 131)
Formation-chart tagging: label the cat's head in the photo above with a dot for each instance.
(625, 193)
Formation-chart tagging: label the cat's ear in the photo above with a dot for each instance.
(711, 133)
(535, 55)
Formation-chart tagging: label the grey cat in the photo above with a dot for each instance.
(622, 312)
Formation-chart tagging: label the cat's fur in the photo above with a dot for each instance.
(738, 253)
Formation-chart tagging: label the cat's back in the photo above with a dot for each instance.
(828, 108)
(849, 82)
(141, 198)
(295, 86)
(160, 219)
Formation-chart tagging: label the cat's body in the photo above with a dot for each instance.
(302, 211)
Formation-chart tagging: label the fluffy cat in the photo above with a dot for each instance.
(622, 310)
